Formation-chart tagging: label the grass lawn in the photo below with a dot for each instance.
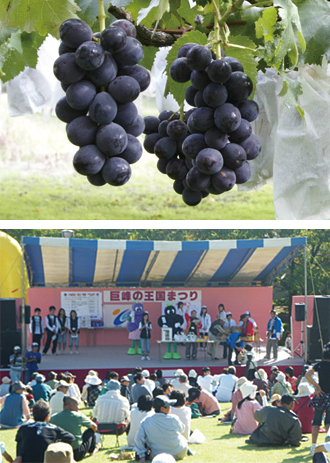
(220, 446)
(37, 181)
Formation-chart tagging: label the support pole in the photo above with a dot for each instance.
(305, 271)
(23, 337)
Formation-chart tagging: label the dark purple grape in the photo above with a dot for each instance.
(216, 139)
(252, 147)
(196, 180)
(219, 71)
(96, 179)
(116, 171)
(199, 100)
(165, 148)
(131, 54)
(177, 130)
(193, 144)
(199, 79)
(113, 39)
(243, 173)
(65, 49)
(111, 139)
(203, 119)
(227, 118)
(180, 71)
(139, 73)
(161, 165)
(103, 75)
(233, 155)
(150, 141)
(124, 89)
(178, 186)
(234, 64)
(81, 94)
(151, 124)
(65, 113)
(165, 115)
(187, 114)
(224, 180)
(162, 128)
(127, 26)
(89, 55)
(126, 114)
(176, 169)
(191, 198)
(67, 70)
(239, 86)
(137, 127)
(103, 109)
(215, 95)
(88, 160)
(182, 53)
(190, 95)
(209, 161)
(199, 57)
(133, 151)
(74, 32)
(249, 109)
(241, 133)
(82, 131)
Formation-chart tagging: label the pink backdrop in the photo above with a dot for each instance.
(257, 300)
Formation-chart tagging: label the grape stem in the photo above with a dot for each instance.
(181, 111)
(102, 15)
(217, 18)
(265, 3)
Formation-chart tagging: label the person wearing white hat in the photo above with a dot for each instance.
(163, 458)
(235, 398)
(244, 413)
(281, 386)
(302, 409)
(192, 377)
(85, 386)
(175, 380)
(261, 381)
(93, 390)
(230, 322)
(4, 388)
(149, 383)
(56, 401)
(60, 452)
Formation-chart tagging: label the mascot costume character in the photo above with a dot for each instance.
(133, 321)
(171, 319)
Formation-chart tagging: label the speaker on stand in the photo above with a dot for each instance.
(300, 317)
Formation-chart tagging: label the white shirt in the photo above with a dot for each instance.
(183, 387)
(184, 415)
(136, 417)
(206, 323)
(111, 407)
(327, 446)
(74, 391)
(150, 384)
(226, 388)
(56, 402)
(175, 382)
(39, 325)
(229, 323)
(222, 316)
(206, 382)
(55, 324)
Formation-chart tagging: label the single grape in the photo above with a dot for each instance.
(106, 73)
(243, 173)
(166, 114)
(111, 139)
(178, 186)
(234, 64)
(227, 118)
(187, 114)
(126, 114)
(137, 127)
(203, 119)
(74, 32)
(103, 108)
(209, 161)
(224, 180)
(215, 95)
(249, 109)
(176, 169)
(193, 144)
(199, 100)
(131, 54)
(133, 151)
(199, 57)
(189, 163)
(199, 79)
(88, 160)
(233, 155)
(113, 39)
(139, 73)
(182, 53)
(96, 179)
(81, 94)
(65, 49)
(150, 142)
(162, 128)
(161, 165)
(216, 139)
(189, 95)
(65, 113)
(180, 71)
(116, 171)
(252, 147)
(219, 71)
(239, 86)
(82, 131)
(124, 89)
(196, 180)
(67, 70)
(191, 197)
(89, 55)
(127, 26)
(151, 124)
(165, 148)
(213, 191)
(241, 133)
(177, 130)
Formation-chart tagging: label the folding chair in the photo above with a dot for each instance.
(109, 428)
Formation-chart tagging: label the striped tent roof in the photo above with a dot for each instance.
(103, 263)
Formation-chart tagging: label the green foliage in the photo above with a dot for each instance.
(149, 57)
(153, 12)
(265, 24)
(290, 92)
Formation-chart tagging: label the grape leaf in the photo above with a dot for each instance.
(154, 12)
(89, 11)
(135, 6)
(175, 88)
(42, 16)
(244, 55)
(188, 13)
(149, 57)
(265, 24)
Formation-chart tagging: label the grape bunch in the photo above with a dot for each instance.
(102, 78)
(208, 151)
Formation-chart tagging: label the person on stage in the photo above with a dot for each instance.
(62, 321)
(74, 330)
(37, 327)
(205, 319)
(51, 331)
(274, 334)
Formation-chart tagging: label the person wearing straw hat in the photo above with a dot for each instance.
(15, 410)
(261, 381)
(275, 400)
(60, 452)
(93, 390)
(56, 401)
(281, 386)
(245, 422)
(4, 388)
(85, 386)
(302, 409)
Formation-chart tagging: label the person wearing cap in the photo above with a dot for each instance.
(205, 319)
(207, 403)
(230, 322)
(274, 334)
(37, 327)
(74, 390)
(93, 390)
(161, 432)
(112, 408)
(302, 409)
(247, 327)
(60, 452)
(51, 331)
(72, 420)
(139, 411)
(149, 383)
(53, 382)
(31, 360)
(175, 380)
(15, 409)
(184, 385)
(277, 425)
(192, 378)
(275, 400)
(124, 391)
(245, 422)
(56, 401)
(16, 364)
(41, 390)
(4, 388)
(139, 388)
(85, 386)
(34, 436)
(281, 386)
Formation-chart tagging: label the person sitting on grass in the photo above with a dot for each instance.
(41, 390)
(60, 452)
(245, 422)
(184, 385)
(289, 373)
(207, 403)
(139, 388)
(227, 385)
(281, 386)
(236, 397)
(180, 410)
(302, 409)
(34, 437)
(167, 389)
(72, 420)
(56, 401)
(205, 381)
(277, 425)
(15, 409)
(275, 400)
(139, 411)
(161, 432)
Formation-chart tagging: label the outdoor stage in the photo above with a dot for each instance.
(105, 358)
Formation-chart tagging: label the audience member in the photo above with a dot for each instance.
(112, 408)
(4, 388)
(302, 409)
(160, 378)
(207, 403)
(261, 381)
(167, 389)
(124, 391)
(235, 398)
(175, 381)
(90, 374)
(302, 378)
(34, 437)
(16, 364)
(227, 385)
(281, 386)
(184, 385)
(291, 379)
(153, 378)
(139, 411)
(157, 391)
(56, 401)
(180, 410)
(15, 409)
(71, 420)
(5, 454)
(245, 422)
(163, 458)
(139, 388)
(273, 374)
(41, 390)
(31, 360)
(74, 390)
(275, 400)
(93, 391)
(53, 382)
(149, 383)
(277, 425)
(60, 452)
(205, 381)
(162, 431)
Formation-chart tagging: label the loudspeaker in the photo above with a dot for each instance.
(321, 311)
(9, 339)
(7, 315)
(300, 312)
(314, 341)
(27, 314)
